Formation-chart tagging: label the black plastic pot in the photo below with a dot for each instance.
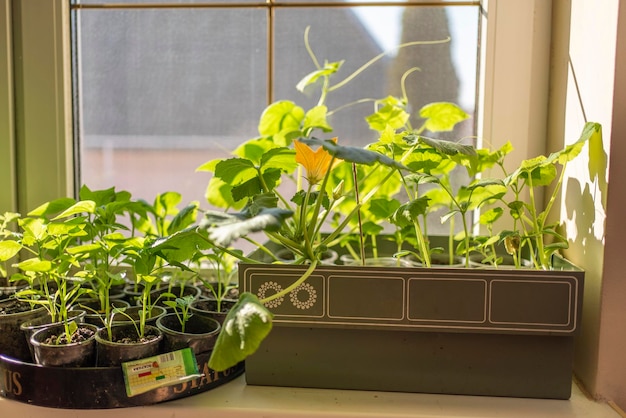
(32, 326)
(78, 354)
(12, 341)
(208, 308)
(92, 307)
(200, 333)
(116, 352)
(7, 289)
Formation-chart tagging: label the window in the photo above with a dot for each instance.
(166, 86)
(39, 90)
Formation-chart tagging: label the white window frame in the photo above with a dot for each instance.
(36, 110)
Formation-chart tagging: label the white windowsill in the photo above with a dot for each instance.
(236, 399)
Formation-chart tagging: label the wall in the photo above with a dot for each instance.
(587, 86)
(611, 380)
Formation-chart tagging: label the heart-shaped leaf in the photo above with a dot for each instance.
(245, 327)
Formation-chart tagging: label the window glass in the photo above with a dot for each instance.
(162, 90)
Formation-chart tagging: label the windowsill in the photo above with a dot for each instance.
(236, 399)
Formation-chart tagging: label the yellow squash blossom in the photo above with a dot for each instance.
(316, 163)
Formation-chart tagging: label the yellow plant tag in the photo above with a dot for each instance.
(163, 370)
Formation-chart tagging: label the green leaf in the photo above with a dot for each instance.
(254, 149)
(8, 249)
(598, 160)
(52, 207)
(387, 116)
(85, 248)
(490, 216)
(383, 208)
(328, 69)
(316, 118)
(282, 116)
(83, 206)
(409, 212)
(245, 327)
(280, 158)
(35, 264)
(254, 186)
(165, 203)
(209, 165)
(186, 217)
(235, 171)
(231, 227)
(219, 194)
(64, 229)
(442, 116)
(179, 246)
(449, 147)
(425, 160)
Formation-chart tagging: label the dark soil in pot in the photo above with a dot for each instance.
(52, 348)
(126, 345)
(200, 333)
(12, 314)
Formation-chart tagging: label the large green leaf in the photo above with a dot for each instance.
(279, 117)
(223, 229)
(383, 208)
(387, 116)
(425, 160)
(354, 154)
(235, 171)
(538, 171)
(448, 147)
(52, 207)
(245, 327)
(180, 246)
(442, 116)
(254, 186)
(280, 158)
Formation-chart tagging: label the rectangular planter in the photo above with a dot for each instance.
(490, 332)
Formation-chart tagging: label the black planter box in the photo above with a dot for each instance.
(493, 332)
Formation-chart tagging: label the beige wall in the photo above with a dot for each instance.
(611, 378)
(592, 87)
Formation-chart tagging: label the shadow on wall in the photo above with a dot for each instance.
(584, 224)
